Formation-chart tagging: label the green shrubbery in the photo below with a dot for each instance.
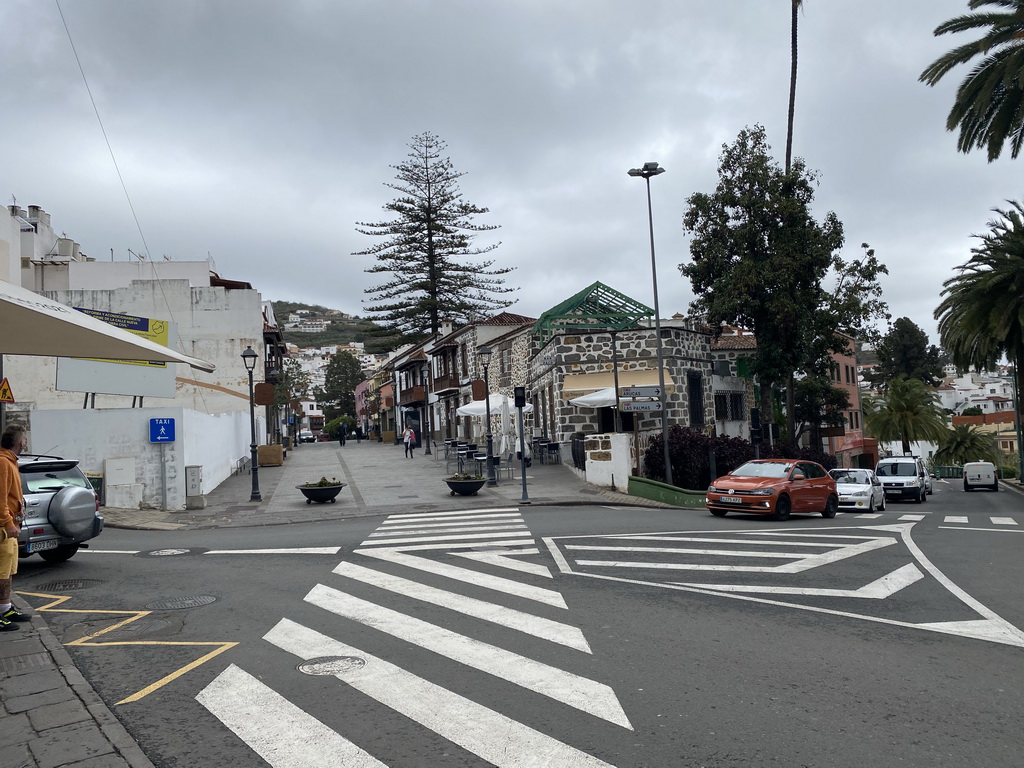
(690, 452)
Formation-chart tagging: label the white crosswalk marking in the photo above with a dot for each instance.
(869, 516)
(507, 560)
(448, 522)
(1003, 521)
(911, 518)
(492, 736)
(955, 519)
(579, 692)
(457, 536)
(269, 723)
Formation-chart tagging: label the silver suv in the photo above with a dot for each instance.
(61, 508)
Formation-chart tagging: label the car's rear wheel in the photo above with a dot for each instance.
(966, 486)
(831, 507)
(60, 554)
(718, 512)
(995, 486)
(782, 507)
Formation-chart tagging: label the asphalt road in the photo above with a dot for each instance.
(573, 636)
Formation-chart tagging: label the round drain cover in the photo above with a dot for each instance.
(68, 585)
(331, 665)
(178, 603)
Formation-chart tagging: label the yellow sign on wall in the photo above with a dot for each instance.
(157, 331)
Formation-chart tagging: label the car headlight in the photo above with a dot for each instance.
(712, 489)
(859, 494)
(762, 492)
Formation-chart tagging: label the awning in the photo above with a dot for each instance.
(575, 384)
(35, 325)
(602, 398)
(479, 407)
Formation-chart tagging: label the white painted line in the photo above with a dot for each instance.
(554, 631)
(443, 515)
(454, 537)
(724, 552)
(699, 539)
(449, 521)
(524, 540)
(110, 551)
(876, 590)
(471, 528)
(485, 580)
(986, 530)
(1003, 521)
(911, 518)
(578, 692)
(955, 519)
(507, 560)
(274, 728)
(501, 741)
(292, 551)
(869, 516)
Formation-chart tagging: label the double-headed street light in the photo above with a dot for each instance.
(249, 357)
(648, 170)
(484, 353)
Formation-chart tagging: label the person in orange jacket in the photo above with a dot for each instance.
(12, 443)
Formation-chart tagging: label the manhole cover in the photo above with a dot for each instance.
(331, 665)
(68, 585)
(177, 603)
(172, 552)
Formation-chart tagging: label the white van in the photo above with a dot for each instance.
(980, 474)
(904, 477)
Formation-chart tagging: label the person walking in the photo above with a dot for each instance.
(409, 437)
(12, 444)
(341, 434)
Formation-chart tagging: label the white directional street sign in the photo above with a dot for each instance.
(640, 405)
(640, 392)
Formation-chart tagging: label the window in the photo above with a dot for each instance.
(695, 396)
(729, 406)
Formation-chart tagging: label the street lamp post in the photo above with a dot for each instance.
(249, 357)
(484, 353)
(648, 170)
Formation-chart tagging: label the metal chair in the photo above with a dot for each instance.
(554, 454)
(502, 466)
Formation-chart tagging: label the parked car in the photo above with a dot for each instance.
(859, 489)
(306, 436)
(61, 508)
(774, 487)
(904, 477)
(980, 474)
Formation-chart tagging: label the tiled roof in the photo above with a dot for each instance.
(746, 341)
(507, 318)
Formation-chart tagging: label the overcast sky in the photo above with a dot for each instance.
(259, 132)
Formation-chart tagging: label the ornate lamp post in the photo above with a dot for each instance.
(648, 170)
(249, 357)
(484, 353)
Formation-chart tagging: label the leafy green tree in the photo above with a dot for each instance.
(972, 411)
(341, 377)
(818, 403)
(428, 251)
(905, 350)
(966, 442)
(908, 410)
(989, 105)
(759, 260)
(981, 315)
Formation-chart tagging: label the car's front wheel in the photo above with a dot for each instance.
(59, 554)
(831, 507)
(782, 507)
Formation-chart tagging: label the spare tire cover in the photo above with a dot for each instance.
(72, 511)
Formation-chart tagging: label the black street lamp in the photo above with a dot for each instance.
(484, 353)
(648, 170)
(249, 357)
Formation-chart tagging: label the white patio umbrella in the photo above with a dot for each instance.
(479, 407)
(601, 398)
(35, 325)
(507, 442)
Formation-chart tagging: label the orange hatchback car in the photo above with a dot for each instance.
(774, 487)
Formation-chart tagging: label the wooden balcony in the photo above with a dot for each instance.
(445, 384)
(413, 396)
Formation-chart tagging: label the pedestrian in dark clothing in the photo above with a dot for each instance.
(341, 435)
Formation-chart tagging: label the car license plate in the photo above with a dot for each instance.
(731, 499)
(39, 546)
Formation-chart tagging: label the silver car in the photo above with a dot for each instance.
(859, 490)
(61, 508)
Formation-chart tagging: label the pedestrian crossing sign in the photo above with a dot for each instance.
(6, 395)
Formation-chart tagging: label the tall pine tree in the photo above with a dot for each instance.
(428, 251)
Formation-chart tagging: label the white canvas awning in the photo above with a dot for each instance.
(479, 407)
(590, 382)
(35, 325)
(602, 398)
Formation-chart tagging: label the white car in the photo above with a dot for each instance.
(858, 489)
(980, 474)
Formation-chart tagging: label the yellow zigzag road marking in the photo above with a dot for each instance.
(87, 641)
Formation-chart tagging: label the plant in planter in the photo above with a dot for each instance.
(322, 491)
(464, 483)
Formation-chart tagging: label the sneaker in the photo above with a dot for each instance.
(13, 614)
(7, 626)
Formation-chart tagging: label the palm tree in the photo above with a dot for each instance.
(989, 104)
(966, 442)
(796, 4)
(908, 410)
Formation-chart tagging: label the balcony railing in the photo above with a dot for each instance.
(445, 383)
(413, 395)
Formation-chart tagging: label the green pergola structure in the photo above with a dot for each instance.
(595, 308)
